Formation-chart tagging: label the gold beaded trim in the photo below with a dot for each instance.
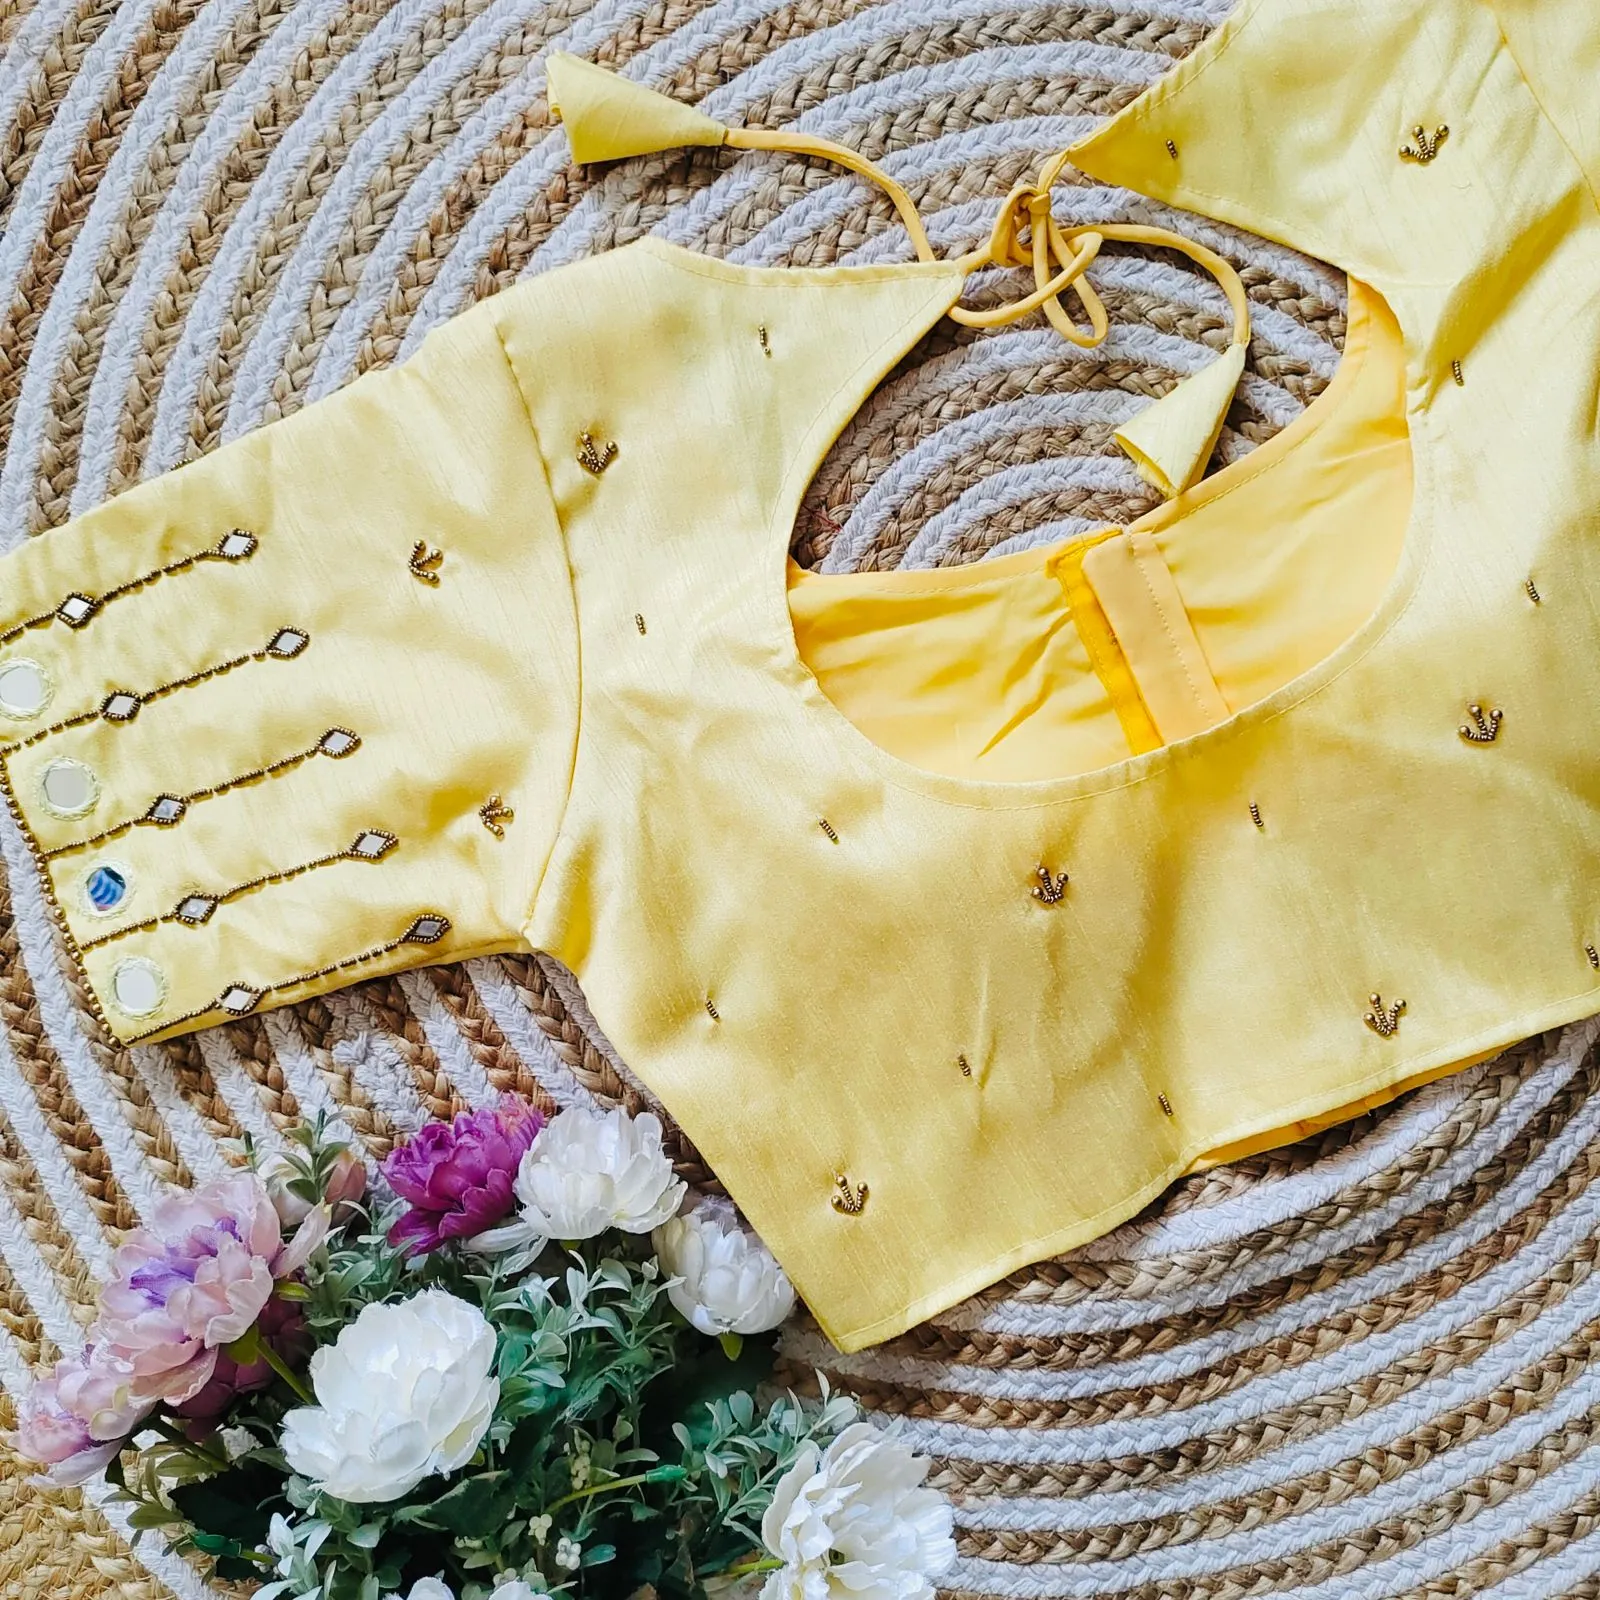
(850, 1202)
(1166, 1104)
(1255, 815)
(78, 608)
(195, 909)
(1593, 955)
(240, 999)
(167, 810)
(58, 914)
(123, 705)
(828, 828)
(1533, 592)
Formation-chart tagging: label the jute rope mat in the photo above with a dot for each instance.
(1356, 1367)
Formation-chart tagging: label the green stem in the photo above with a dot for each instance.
(250, 1347)
(604, 1488)
(743, 1569)
(281, 1367)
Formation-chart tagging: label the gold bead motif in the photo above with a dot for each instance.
(425, 563)
(850, 1202)
(1533, 592)
(1166, 1104)
(1485, 727)
(1172, 149)
(594, 458)
(494, 815)
(766, 347)
(1424, 149)
(1458, 374)
(1384, 1020)
(638, 621)
(1050, 888)
(711, 1010)
(828, 828)
(965, 1065)
(1593, 955)
(1255, 815)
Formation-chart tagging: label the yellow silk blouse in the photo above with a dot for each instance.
(954, 913)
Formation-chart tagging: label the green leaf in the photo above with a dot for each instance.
(247, 1347)
(473, 1509)
(153, 1516)
(732, 1344)
(236, 1504)
(215, 1544)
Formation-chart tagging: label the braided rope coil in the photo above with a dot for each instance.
(1358, 1366)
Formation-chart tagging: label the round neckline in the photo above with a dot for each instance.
(1001, 794)
(860, 751)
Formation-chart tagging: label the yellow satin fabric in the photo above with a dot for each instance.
(619, 654)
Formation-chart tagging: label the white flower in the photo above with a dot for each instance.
(236, 1442)
(588, 1171)
(431, 1589)
(856, 1524)
(726, 1279)
(404, 1391)
(508, 1586)
(569, 1553)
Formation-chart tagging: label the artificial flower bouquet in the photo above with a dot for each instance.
(527, 1373)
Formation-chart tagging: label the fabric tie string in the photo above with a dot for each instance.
(609, 118)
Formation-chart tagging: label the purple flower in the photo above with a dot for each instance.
(196, 1279)
(457, 1176)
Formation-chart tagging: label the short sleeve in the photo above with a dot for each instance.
(1393, 138)
(302, 712)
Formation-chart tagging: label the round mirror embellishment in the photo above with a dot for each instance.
(25, 688)
(138, 987)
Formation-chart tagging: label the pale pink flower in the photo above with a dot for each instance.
(76, 1420)
(196, 1279)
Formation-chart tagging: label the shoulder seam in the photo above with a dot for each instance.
(537, 446)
